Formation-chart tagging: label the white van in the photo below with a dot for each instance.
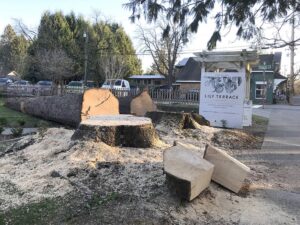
(116, 84)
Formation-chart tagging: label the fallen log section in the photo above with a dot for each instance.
(187, 172)
(68, 109)
(228, 171)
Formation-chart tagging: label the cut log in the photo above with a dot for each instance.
(187, 172)
(69, 109)
(141, 104)
(228, 171)
(178, 120)
(124, 130)
(137, 105)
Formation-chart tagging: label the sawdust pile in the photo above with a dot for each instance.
(27, 173)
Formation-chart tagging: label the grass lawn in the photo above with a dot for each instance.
(13, 118)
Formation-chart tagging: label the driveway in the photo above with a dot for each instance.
(280, 154)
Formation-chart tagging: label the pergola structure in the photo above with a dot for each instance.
(225, 85)
(239, 61)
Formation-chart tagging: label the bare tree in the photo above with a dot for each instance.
(22, 28)
(164, 45)
(55, 65)
(113, 66)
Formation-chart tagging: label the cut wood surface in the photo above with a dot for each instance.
(124, 130)
(98, 102)
(187, 171)
(68, 109)
(141, 104)
(229, 172)
(137, 105)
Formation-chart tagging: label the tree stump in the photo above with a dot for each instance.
(124, 130)
(187, 172)
(178, 120)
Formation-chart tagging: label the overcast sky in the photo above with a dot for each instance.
(30, 12)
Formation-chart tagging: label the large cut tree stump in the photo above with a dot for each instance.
(228, 171)
(68, 109)
(187, 172)
(124, 130)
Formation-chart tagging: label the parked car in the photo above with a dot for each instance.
(42, 87)
(22, 82)
(119, 84)
(20, 87)
(75, 86)
(4, 83)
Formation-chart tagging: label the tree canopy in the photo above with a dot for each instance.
(244, 14)
(58, 48)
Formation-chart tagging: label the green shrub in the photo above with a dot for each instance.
(1, 129)
(21, 122)
(3, 121)
(16, 132)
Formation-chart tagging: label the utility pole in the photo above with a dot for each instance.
(292, 57)
(85, 35)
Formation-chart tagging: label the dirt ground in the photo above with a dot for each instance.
(48, 179)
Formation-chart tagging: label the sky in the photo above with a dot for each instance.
(30, 12)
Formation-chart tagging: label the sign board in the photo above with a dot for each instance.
(247, 121)
(222, 98)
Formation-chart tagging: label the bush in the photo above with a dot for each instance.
(16, 132)
(3, 121)
(1, 129)
(21, 122)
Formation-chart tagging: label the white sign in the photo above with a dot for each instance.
(222, 98)
(247, 114)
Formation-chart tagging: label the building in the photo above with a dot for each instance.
(265, 77)
(189, 73)
(147, 80)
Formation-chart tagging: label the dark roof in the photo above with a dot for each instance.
(279, 76)
(191, 71)
(272, 62)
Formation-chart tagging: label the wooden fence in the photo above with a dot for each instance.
(163, 96)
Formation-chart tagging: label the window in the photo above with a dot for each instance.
(260, 89)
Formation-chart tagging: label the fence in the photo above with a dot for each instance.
(162, 96)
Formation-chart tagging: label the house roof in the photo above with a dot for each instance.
(190, 72)
(269, 62)
(279, 76)
(182, 62)
(147, 76)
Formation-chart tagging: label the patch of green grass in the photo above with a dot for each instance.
(259, 120)
(16, 119)
(34, 213)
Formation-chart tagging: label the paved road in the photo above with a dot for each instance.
(296, 100)
(281, 152)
